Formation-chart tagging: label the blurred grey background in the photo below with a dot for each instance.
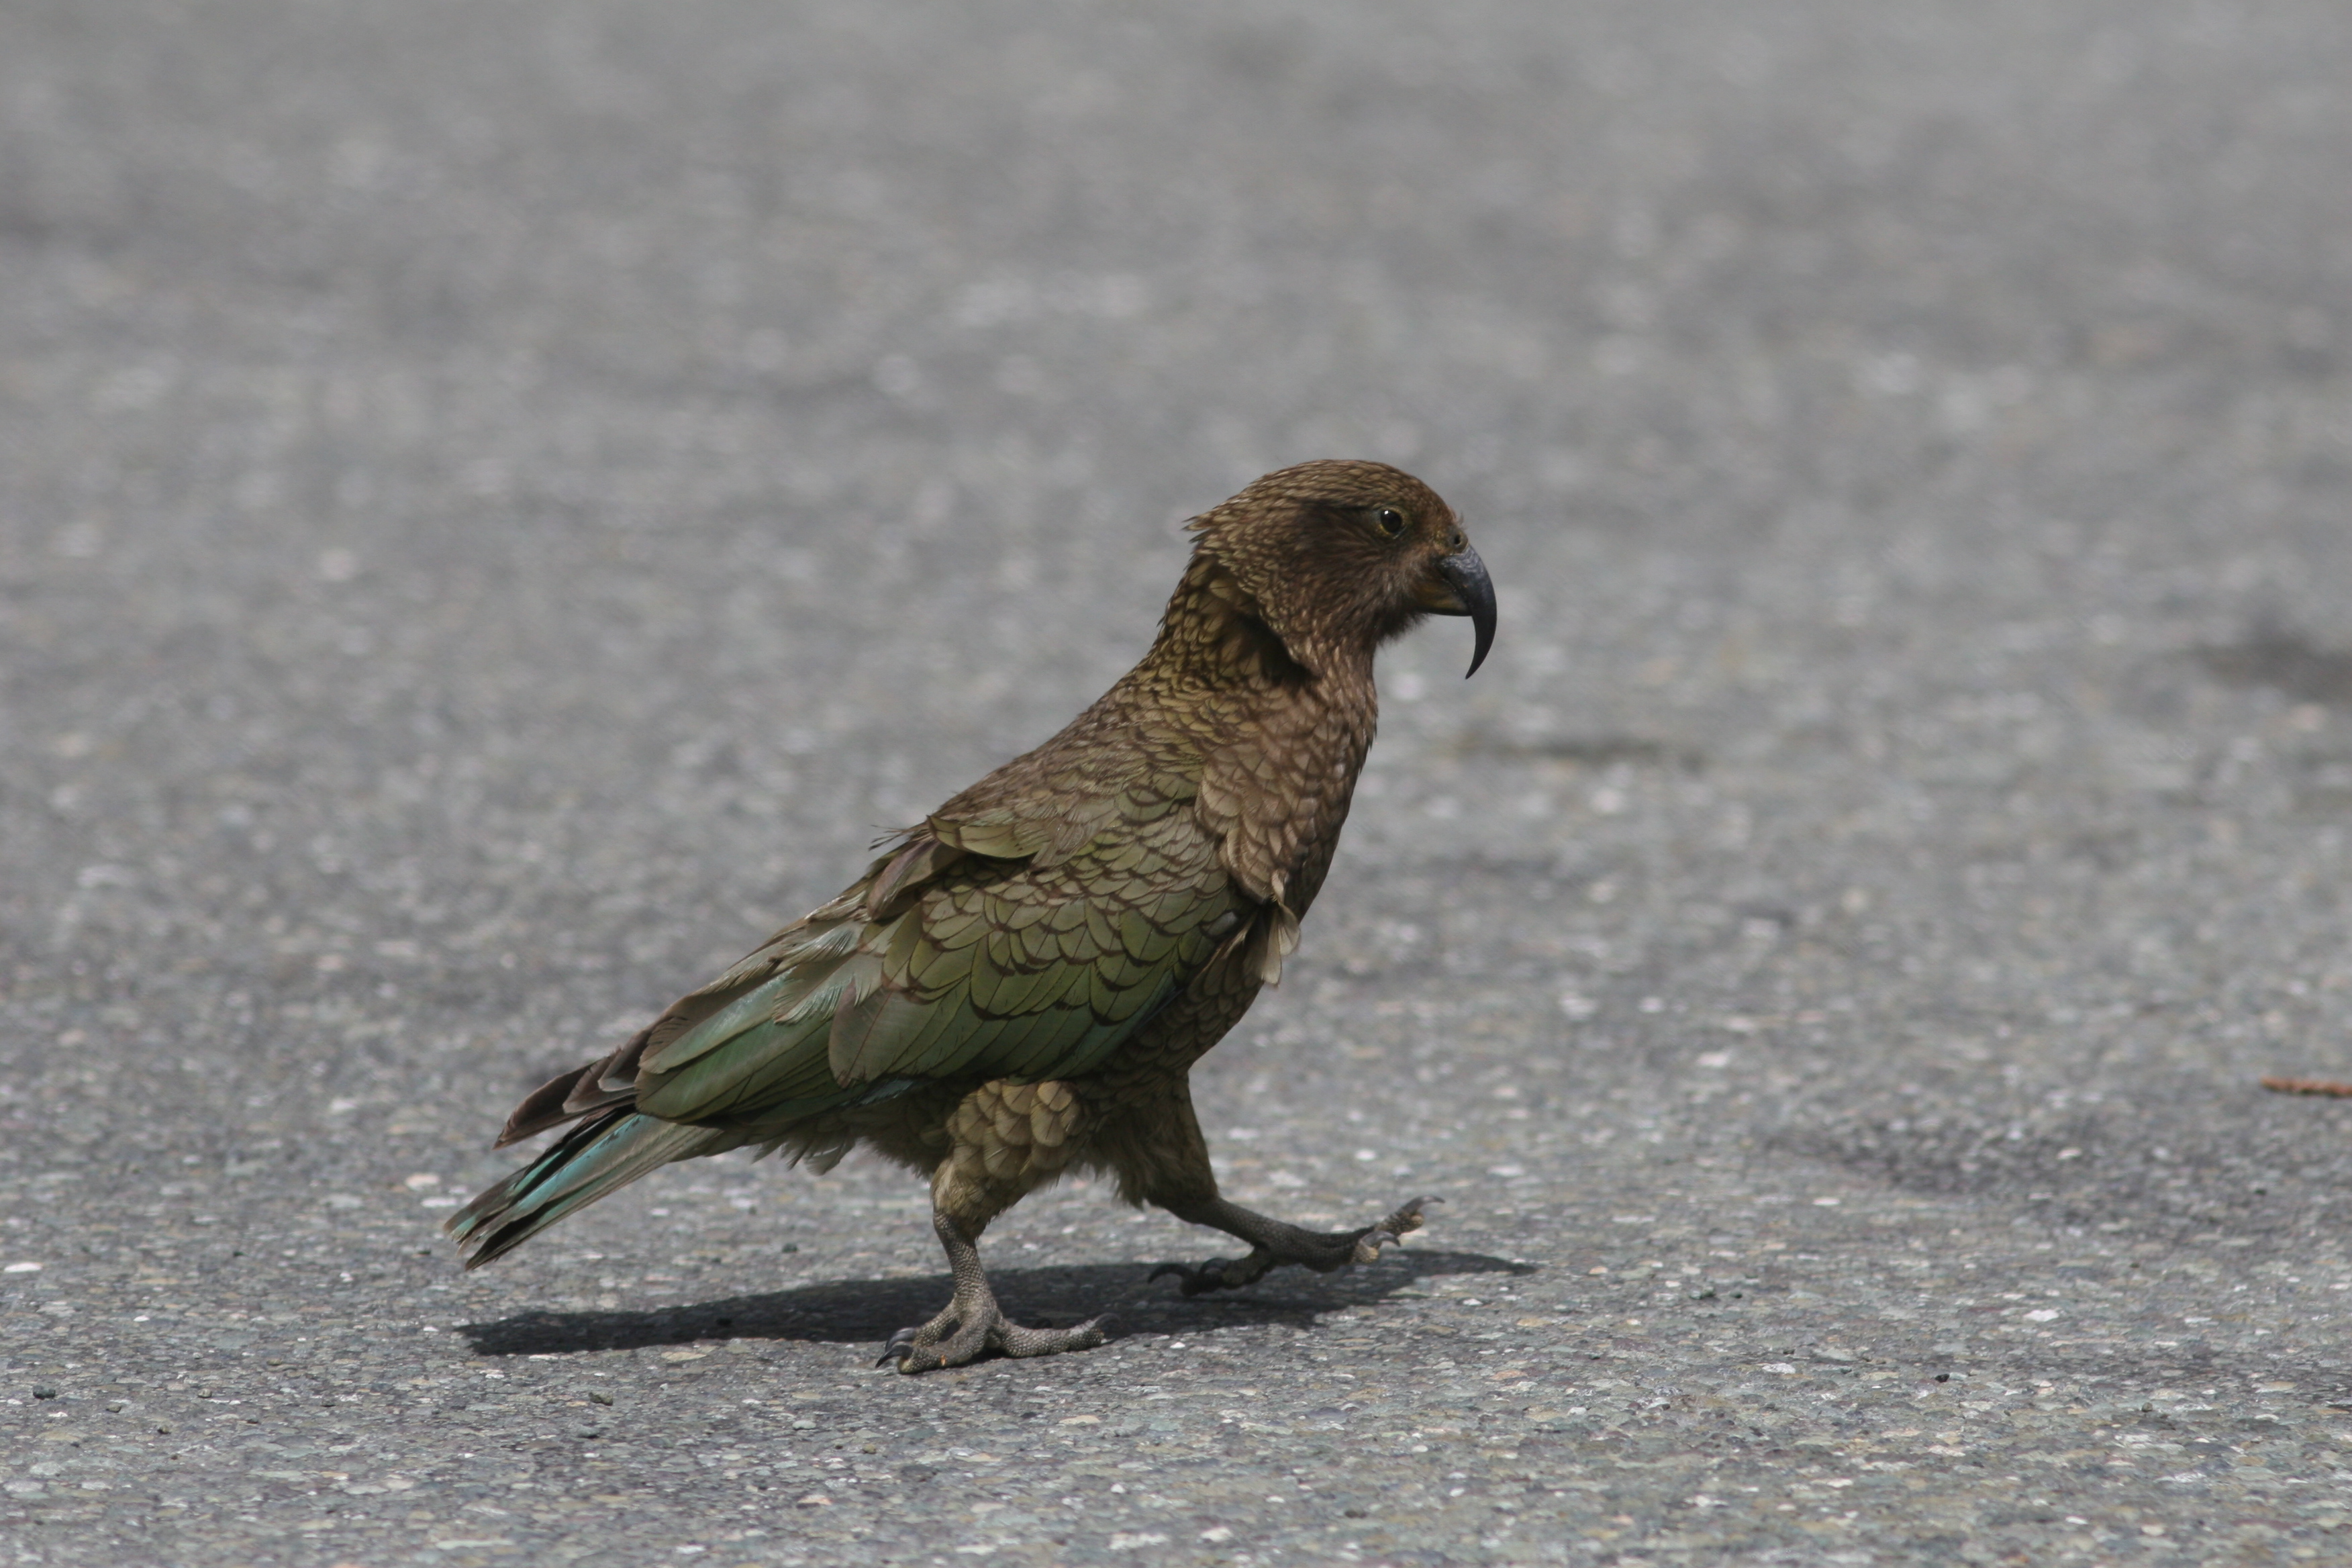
(499, 503)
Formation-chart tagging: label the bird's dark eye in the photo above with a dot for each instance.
(1389, 521)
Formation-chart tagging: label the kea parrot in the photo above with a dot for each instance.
(1018, 986)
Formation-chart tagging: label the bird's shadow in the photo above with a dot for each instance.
(852, 1311)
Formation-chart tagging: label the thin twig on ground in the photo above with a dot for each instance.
(2308, 1086)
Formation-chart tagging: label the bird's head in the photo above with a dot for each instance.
(1341, 556)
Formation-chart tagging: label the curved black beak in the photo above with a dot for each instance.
(1474, 593)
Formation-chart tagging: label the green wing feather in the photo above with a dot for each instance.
(952, 960)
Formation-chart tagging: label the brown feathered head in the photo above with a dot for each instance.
(1338, 557)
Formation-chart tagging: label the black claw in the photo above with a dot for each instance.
(1200, 1282)
(901, 1343)
(1378, 1239)
(1193, 1281)
(1411, 1212)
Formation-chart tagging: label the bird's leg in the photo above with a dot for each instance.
(1273, 1242)
(971, 1323)
(1005, 1139)
(1162, 1159)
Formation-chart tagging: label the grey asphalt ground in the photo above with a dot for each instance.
(499, 503)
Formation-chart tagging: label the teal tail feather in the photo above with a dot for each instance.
(601, 1155)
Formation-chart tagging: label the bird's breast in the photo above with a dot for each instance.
(1277, 792)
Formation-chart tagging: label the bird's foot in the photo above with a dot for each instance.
(964, 1334)
(1275, 1244)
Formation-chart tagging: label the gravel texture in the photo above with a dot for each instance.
(499, 503)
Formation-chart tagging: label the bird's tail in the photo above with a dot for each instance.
(602, 1155)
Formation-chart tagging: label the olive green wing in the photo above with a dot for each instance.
(948, 962)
